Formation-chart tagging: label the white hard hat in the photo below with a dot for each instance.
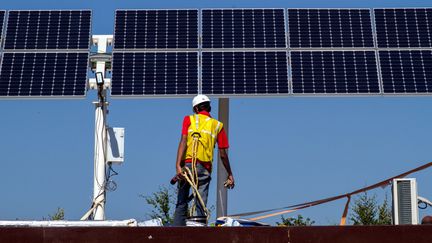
(200, 99)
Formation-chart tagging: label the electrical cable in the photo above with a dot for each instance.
(110, 184)
(107, 184)
(422, 203)
(296, 207)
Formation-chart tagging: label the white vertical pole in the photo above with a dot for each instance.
(222, 195)
(100, 148)
(99, 160)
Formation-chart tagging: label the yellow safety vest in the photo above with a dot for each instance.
(207, 130)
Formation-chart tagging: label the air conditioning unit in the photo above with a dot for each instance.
(405, 210)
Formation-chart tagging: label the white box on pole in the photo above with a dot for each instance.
(115, 146)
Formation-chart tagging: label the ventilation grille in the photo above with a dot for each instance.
(404, 202)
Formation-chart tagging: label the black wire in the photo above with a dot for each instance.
(110, 184)
(422, 203)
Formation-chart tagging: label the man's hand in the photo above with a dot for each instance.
(178, 176)
(230, 183)
(179, 170)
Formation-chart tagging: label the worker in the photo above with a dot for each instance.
(205, 131)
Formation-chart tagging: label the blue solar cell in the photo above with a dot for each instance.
(151, 29)
(2, 17)
(334, 72)
(330, 28)
(244, 73)
(154, 73)
(30, 30)
(405, 71)
(43, 74)
(404, 27)
(243, 28)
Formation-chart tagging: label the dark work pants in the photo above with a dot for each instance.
(181, 210)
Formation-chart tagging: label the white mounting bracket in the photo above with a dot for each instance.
(424, 200)
(102, 42)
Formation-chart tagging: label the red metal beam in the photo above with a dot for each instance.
(310, 234)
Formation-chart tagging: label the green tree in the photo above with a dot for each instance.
(58, 215)
(384, 213)
(162, 203)
(367, 211)
(299, 221)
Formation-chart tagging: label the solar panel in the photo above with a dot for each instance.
(43, 74)
(154, 73)
(406, 71)
(243, 28)
(244, 72)
(334, 72)
(152, 29)
(2, 17)
(65, 29)
(329, 28)
(404, 27)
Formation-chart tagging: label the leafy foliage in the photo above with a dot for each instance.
(384, 213)
(163, 203)
(299, 221)
(366, 211)
(58, 215)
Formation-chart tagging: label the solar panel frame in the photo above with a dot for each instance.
(282, 90)
(428, 26)
(143, 95)
(82, 91)
(294, 83)
(78, 48)
(156, 49)
(243, 48)
(388, 70)
(371, 25)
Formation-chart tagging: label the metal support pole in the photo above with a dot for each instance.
(100, 147)
(222, 195)
(100, 158)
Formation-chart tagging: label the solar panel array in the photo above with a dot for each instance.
(247, 73)
(274, 51)
(243, 28)
(330, 28)
(2, 17)
(156, 29)
(404, 40)
(331, 72)
(144, 62)
(222, 52)
(43, 74)
(400, 28)
(406, 71)
(155, 73)
(45, 54)
(332, 52)
(260, 70)
(30, 30)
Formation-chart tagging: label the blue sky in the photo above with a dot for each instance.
(283, 150)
